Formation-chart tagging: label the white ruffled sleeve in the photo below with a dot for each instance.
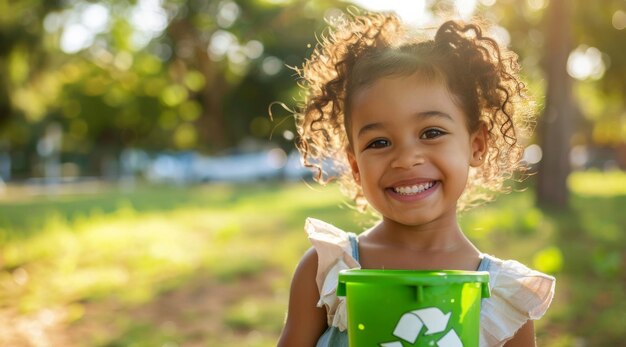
(517, 295)
(334, 253)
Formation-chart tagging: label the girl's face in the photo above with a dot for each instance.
(411, 149)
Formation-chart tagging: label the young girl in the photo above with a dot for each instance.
(417, 128)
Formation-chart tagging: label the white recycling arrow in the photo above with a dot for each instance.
(392, 344)
(434, 319)
(409, 327)
(451, 339)
(411, 323)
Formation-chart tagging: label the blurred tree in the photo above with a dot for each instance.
(556, 122)
(240, 50)
(192, 74)
(588, 110)
(23, 61)
(155, 75)
(21, 53)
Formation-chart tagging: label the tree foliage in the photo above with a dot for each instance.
(200, 74)
(203, 82)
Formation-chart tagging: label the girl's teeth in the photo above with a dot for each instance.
(413, 189)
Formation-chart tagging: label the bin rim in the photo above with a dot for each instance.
(413, 277)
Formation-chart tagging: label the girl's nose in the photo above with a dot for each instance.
(407, 157)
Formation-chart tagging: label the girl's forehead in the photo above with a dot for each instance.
(401, 95)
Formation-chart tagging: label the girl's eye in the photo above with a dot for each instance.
(380, 143)
(432, 134)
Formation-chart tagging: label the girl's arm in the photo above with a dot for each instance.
(525, 336)
(305, 321)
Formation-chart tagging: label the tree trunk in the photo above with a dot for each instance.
(212, 125)
(556, 122)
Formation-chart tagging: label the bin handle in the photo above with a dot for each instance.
(419, 293)
(341, 289)
(485, 291)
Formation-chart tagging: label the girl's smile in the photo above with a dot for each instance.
(413, 191)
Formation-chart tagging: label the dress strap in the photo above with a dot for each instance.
(354, 242)
(485, 261)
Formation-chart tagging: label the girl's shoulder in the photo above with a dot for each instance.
(518, 294)
(336, 251)
(332, 243)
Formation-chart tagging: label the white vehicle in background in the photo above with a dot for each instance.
(240, 167)
(294, 170)
(191, 167)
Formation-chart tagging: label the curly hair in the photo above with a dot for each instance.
(358, 49)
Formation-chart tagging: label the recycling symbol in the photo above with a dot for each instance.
(411, 324)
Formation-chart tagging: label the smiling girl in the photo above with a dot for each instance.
(417, 126)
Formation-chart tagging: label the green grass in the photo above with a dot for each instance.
(113, 256)
(73, 254)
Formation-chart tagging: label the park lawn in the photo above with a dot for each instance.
(103, 267)
(210, 265)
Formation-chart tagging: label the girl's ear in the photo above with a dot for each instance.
(354, 166)
(479, 142)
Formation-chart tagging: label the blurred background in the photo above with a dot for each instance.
(147, 198)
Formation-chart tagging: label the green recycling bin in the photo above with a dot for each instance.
(399, 308)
